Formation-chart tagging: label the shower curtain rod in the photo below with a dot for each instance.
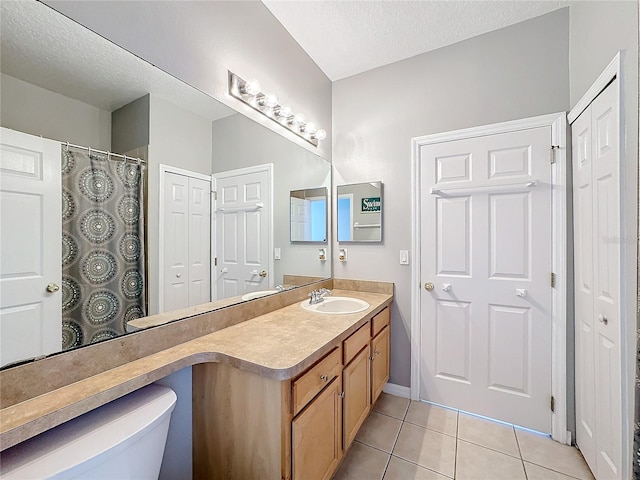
(108, 154)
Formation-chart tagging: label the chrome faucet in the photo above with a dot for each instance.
(317, 296)
(280, 288)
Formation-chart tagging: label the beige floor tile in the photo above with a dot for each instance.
(379, 431)
(478, 463)
(432, 417)
(391, 405)
(489, 434)
(545, 452)
(399, 469)
(535, 472)
(362, 462)
(427, 448)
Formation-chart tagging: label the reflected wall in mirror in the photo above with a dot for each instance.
(308, 211)
(360, 212)
(117, 102)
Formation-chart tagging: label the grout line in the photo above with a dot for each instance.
(421, 466)
(526, 477)
(387, 415)
(455, 453)
(519, 457)
(431, 429)
(386, 467)
(554, 470)
(371, 446)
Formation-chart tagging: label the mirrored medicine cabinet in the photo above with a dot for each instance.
(359, 212)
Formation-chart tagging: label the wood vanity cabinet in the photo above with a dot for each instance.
(246, 426)
(380, 346)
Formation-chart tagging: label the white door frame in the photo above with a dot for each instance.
(557, 122)
(627, 299)
(178, 171)
(266, 167)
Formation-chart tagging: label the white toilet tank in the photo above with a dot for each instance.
(124, 439)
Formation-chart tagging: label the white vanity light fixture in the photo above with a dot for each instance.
(250, 93)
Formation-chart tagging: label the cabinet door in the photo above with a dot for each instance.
(356, 387)
(317, 435)
(379, 363)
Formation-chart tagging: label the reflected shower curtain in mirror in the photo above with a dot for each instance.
(103, 255)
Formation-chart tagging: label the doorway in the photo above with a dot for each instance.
(488, 316)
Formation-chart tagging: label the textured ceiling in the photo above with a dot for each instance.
(40, 46)
(345, 38)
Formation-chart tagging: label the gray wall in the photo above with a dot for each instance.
(598, 31)
(239, 142)
(130, 126)
(199, 42)
(181, 139)
(35, 110)
(516, 72)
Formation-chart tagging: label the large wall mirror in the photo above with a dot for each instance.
(203, 218)
(360, 212)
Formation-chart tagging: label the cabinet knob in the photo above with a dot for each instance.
(371, 358)
(324, 378)
(377, 352)
(341, 394)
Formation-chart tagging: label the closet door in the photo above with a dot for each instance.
(199, 241)
(187, 241)
(597, 266)
(175, 286)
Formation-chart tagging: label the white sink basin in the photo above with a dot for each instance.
(337, 305)
(258, 294)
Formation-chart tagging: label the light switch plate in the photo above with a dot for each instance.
(276, 253)
(404, 257)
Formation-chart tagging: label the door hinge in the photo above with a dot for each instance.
(553, 280)
(552, 158)
(215, 195)
(553, 404)
(215, 262)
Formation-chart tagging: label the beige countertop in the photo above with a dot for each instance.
(279, 345)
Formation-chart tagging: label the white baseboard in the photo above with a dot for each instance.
(397, 390)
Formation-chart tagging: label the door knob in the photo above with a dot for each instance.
(429, 286)
(603, 319)
(446, 287)
(521, 292)
(52, 288)
(263, 273)
(178, 275)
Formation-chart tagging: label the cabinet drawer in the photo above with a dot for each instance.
(356, 342)
(315, 379)
(380, 321)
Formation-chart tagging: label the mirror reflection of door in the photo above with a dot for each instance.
(309, 215)
(243, 231)
(345, 225)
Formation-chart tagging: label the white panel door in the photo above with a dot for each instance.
(30, 251)
(199, 241)
(583, 275)
(486, 238)
(175, 263)
(300, 219)
(597, 266)
(243, 231)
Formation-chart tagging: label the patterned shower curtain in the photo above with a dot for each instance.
(103, 257)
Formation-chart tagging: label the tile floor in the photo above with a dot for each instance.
(403, 440)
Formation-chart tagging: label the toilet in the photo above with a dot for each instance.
(124, 439)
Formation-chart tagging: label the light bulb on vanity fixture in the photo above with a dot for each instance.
(249, 92)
